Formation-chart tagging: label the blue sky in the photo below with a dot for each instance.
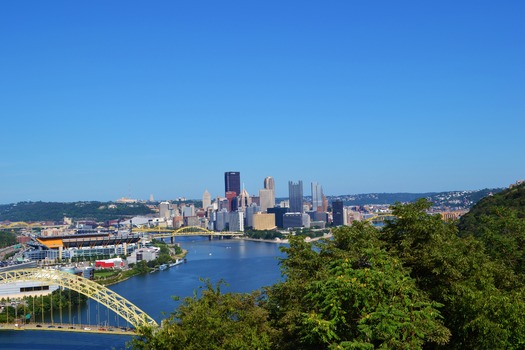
(104, 99)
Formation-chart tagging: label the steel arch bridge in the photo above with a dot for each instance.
(93, 290)
(185, 231)
(193, 229)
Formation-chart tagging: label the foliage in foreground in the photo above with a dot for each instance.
(216, 320)
(417, 284)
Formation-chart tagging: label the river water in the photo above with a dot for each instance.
(243, 265)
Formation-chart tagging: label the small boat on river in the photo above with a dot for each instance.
(177, 262)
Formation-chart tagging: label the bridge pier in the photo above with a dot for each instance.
(210, 237)
(172, 239)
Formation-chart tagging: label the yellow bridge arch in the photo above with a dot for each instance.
(191, 229)
(184, 231)
(93, 290)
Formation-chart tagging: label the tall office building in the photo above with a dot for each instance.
(325, 203)
(266, 199)
(244, 200)
(269, 185)
(206, 199)
(164, 210)
(231, 196)
(317, 197)
(232, 182)
(295, 194)
(236, 221)
(222, 220)
(338, 213)
(188, 210)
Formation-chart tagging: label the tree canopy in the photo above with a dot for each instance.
(418, 283)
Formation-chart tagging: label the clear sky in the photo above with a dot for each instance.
(104, 99)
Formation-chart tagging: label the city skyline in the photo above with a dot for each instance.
(107, 100)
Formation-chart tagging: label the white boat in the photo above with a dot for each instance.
(163, 267)
(177, 262)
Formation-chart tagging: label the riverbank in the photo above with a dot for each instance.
(127, 274)
(276, 240)
(284, 241)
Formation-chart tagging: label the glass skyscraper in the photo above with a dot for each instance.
(338, 213)
(232, 182)
(317, 197)
(295, 191)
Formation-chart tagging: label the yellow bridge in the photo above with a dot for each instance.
(184, 231)
(104, 296)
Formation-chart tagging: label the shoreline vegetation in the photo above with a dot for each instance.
(117, 276)
(122, 275)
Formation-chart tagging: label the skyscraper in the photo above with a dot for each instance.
(266, 199)
(232, 182)
(269, 184)
(244, 199)
(317, 197)
(295, 194)
(338, 213)
(206, 199)
(231, 196)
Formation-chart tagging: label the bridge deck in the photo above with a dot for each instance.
(64, 327)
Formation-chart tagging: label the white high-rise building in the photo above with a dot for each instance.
(206, 199)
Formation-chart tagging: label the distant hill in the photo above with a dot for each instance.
(511, 199)
(54, 211)
(450, 199)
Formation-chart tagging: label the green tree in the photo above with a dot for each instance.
(483, 300)
(141, 267)
(502, 233)
(216, 320)
(349, 293)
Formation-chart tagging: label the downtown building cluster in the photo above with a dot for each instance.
(237, 210)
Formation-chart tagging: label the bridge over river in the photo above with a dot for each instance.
(122, 307)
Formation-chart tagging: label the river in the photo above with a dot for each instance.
(243, 265)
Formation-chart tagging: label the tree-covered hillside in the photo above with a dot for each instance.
(53, 211)
(510, 199)
(498, 221)
(418, 283)
(452, 199)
